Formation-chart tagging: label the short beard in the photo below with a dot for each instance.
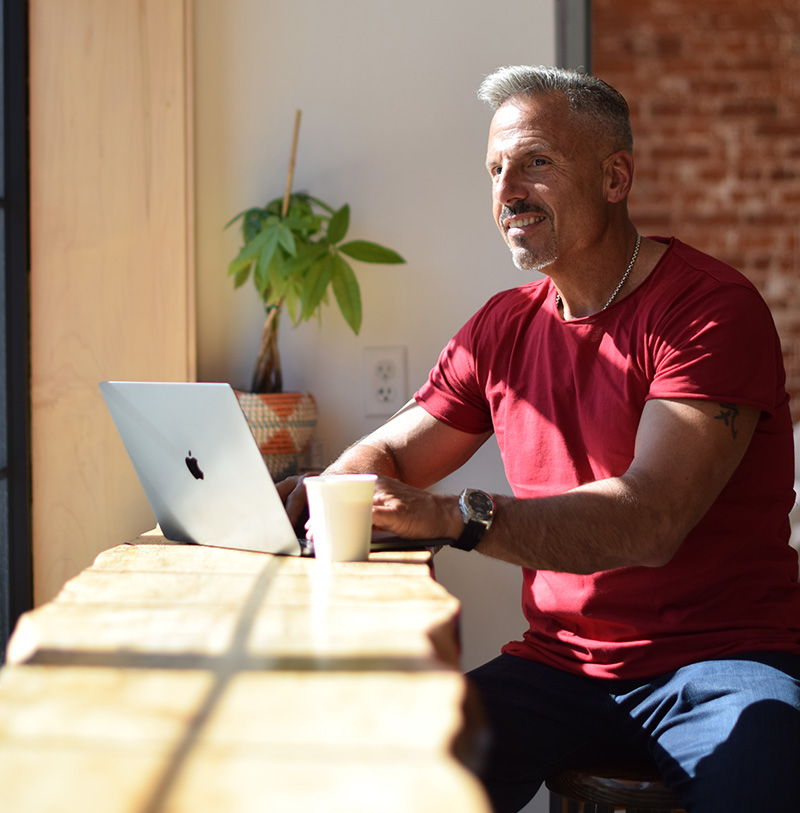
(524, 259)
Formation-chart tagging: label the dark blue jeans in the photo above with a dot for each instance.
(724, 734)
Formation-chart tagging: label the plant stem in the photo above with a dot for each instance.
(267, 376)
(290, 174)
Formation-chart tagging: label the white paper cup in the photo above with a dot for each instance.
(340, 509)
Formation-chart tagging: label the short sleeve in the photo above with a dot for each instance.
(724, 349)
(453, 393)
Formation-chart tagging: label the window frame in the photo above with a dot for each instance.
(14, 203)
(574, 34)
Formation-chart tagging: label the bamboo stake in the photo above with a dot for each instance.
(290, 175)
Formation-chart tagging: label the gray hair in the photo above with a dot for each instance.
(587, 96)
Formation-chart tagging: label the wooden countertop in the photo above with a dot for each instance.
(192, 679)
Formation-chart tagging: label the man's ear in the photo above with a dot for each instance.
(619, 176)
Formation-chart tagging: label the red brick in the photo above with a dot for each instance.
(783, 174)
(706, 87)
(749, 107)
(715, 106)
(679, 152)
(779, 129)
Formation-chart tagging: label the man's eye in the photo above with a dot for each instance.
(539, 162)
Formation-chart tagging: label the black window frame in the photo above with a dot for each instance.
(18, 580)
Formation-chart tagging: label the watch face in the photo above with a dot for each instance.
(481, 503)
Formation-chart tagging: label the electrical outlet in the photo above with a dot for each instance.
(384, 380)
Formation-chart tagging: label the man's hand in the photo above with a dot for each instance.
(413, 513)
(398, 508)
(293, 493)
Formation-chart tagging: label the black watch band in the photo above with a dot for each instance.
(477, 509)
(472, 534)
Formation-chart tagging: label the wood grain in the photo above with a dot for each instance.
(179, 678)
(111, 256)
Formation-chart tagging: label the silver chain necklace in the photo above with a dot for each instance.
(621, 282)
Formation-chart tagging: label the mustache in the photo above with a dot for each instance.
(520, 208)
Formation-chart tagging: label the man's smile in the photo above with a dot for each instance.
(521, 221)
(520, 216)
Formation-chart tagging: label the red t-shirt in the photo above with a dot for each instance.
(565, 400)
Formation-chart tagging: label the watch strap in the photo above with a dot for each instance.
(472, 534)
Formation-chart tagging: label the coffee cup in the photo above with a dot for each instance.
(340, 512)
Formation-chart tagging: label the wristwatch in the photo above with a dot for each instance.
(477, 509)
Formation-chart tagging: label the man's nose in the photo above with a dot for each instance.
(509, 187)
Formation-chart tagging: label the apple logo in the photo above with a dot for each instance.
(191, 464)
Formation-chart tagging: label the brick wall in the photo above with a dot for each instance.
(714, 92)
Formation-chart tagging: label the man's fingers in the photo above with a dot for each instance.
(286, 487)
(293, 494)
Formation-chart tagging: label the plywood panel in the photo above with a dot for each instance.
(111, 260)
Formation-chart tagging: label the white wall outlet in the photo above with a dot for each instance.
(384, 381)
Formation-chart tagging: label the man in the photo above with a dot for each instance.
(637, 395)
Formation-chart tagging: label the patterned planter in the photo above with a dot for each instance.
(282, 424)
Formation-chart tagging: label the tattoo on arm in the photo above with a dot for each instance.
(728, 413)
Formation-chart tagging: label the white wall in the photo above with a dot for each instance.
(391, 125)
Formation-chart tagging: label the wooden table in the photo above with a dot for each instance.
(180, 679)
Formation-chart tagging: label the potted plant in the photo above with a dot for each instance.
(295, 252)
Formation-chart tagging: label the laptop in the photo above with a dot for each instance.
(202, 472)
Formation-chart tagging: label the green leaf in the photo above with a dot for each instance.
(234, 219)
(370, 252)
(240, 277)
(254, 247)
(277, 282)
(261, 280)
(316, 283)
(274, 207)
(346, 290)
(286, 239)
(299, 206)
(339, 224)
(293, 303)
(304, 226)
(262, 275)
(235, 266)
(296, 266)
(253, 223)
(269, 248)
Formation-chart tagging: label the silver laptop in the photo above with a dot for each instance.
(202, 471)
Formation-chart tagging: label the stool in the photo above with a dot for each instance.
(606, 791)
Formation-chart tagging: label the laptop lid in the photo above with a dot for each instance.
(199, 465)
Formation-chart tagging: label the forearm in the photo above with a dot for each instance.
(412, 447)
(608, 524)
(367, 456)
